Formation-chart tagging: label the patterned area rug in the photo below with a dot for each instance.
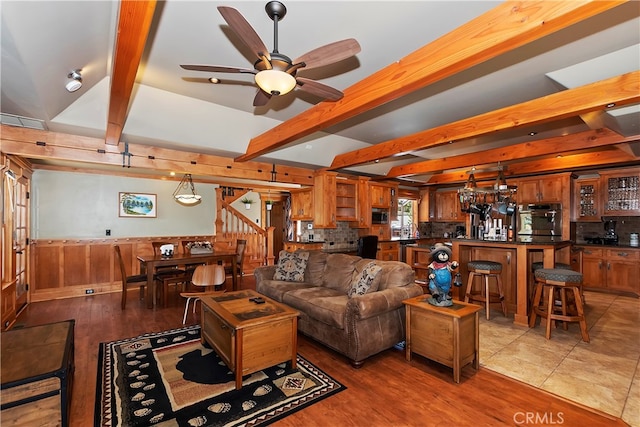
(171, 379)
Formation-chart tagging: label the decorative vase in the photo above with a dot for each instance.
(247, 205)
(269, 206)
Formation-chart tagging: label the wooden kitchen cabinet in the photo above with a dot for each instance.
(426, 205)
(294, 246)
(302, 204)
(388, 251)
(324, 200)
(393, 206)
(623, 270)
(317, 204)
(507, 258)
(380, 196)
(611, 269)
(363, 212)
(621, 193)
(448, 206)
(587, 200)
(347, 200)
(548, 189)
(593, 271)
(383, 231)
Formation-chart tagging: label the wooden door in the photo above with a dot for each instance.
(20, 244)
(276, 219)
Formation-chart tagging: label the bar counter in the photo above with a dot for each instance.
(462, 252)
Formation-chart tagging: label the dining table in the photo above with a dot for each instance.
(150, 262)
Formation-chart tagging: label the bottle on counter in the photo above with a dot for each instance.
(510, 233)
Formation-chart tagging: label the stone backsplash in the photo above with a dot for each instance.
(625, 225)
(342, 237)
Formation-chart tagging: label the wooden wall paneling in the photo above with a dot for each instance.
(76, 265)
(101, 265)
(47, 267)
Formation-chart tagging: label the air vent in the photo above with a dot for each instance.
(23, 122)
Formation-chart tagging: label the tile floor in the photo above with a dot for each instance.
(603, 374)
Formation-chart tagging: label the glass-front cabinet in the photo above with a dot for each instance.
(587, 203)
(621, 194)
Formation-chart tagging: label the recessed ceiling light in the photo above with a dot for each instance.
(533, 133)
(559, 156)
(377, 161)
(214, 80)
(612, 104)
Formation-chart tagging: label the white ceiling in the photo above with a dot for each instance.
(42, 41)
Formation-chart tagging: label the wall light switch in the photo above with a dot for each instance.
(108, 232)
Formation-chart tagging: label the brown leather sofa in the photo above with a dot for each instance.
(358, 326)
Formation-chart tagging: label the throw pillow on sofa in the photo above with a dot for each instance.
(365, 282)
(291, 266)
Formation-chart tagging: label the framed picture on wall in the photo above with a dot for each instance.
(137, 205)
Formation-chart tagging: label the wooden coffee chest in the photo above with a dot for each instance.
(37, 373)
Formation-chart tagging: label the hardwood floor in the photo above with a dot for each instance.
(386, 391)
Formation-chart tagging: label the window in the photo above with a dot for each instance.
(406, 223)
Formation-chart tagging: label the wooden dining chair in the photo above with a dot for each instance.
(139, 280)
(241, 246)
(208, 278)
(171, 275)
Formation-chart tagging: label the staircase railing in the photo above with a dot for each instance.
(232, 225)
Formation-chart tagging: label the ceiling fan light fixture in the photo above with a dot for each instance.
(76, 81)
(275, 82)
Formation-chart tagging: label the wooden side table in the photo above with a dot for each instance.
(37, 374)
(447, 335)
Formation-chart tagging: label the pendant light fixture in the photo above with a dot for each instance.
(186, 192)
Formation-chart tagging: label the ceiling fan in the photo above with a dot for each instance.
(275, 73)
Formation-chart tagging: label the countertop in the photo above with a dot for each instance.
(618, 246)
(500, 243)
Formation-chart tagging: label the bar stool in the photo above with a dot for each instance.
(555, 281)
(485, 270)
(538, 265)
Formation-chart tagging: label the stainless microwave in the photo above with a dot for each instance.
(380, 217)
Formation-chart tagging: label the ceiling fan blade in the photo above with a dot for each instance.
(261, 98)
(218, 69)
(245, 31)
(330, 53)
(319, 89)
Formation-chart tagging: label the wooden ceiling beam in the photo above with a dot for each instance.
(583, 161)
(133, 28)
(38, 144)
(556, 145)
(507, 27)
(621, 90)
